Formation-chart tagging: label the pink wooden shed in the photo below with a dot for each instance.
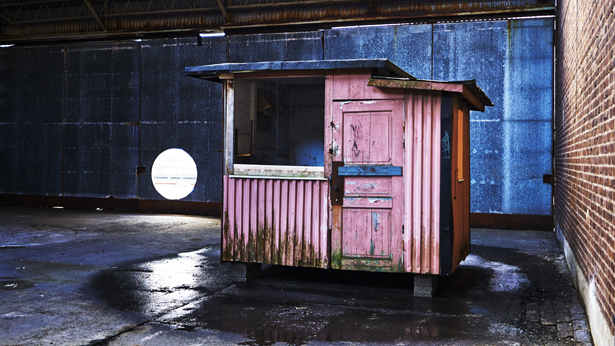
(344, 164)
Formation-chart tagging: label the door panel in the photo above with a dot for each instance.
(366, 138)
(369, 225)
(354, 186)
(376, 224)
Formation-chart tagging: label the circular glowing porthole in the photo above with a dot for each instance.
(174, 174)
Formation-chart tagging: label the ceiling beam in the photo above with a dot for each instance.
(6, 18)
(370, 6)
(223, 10)
(89, 4)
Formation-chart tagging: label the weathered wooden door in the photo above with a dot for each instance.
(367, 142)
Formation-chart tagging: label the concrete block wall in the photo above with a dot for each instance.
(585, 154)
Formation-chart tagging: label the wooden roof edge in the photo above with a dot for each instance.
(212, 70)
(467, 89)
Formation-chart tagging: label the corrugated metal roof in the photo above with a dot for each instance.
(46, 19)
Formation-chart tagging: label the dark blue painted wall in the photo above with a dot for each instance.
(182, 112)
(31, 115)
(101, 142)
(83, 103)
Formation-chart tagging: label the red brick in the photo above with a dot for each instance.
(585, 140)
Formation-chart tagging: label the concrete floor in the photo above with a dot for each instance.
(98, 278)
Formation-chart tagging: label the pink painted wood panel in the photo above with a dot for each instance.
(368, 202)
(261, 235)
(366, 233)
(354, 186)
(379, 138)
(381, 232)
(356, 138)
(367, 138)
(351, 84)
(422, 182)
(275, 221)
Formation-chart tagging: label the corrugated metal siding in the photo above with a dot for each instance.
(422, 183)
(275, 221)
(511, 143)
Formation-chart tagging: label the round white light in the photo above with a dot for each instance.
(174, 174)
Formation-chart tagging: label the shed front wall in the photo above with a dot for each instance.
(276, 221)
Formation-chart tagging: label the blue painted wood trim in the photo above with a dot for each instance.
(386, 171)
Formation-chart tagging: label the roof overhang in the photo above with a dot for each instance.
(380, 67)
(475, 96)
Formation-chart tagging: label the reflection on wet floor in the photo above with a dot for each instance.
(484, 301)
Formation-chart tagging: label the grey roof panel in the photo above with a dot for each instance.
(211, 71)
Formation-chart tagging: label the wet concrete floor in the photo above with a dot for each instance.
(101, 278)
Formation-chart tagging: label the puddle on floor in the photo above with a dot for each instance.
(192, 292)
(12, 285)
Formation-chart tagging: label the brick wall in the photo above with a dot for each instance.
(585, 142)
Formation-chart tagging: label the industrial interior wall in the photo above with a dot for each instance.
(78, 119)
(585, 155)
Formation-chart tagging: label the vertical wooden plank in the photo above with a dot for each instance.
(380, 132)
(408, 172)
(245, 227)
(328, 121)
(229, 125)
(269, 229)
(457, 220)
(315, 223)
(299, 231)
(381, 232)
(435, 184)
(336, 237)
(335, 250)
(277, 226)
(225, 219)
(252, 236)
(284, 222)
(365, 240)
(356, 138)
(292, 213)
(237, 246)
(426, 186)
(308, 247)
(396, 222)
(349, 233)
(251, 245)
(395, 217)
(417, 144)
(466, 183)
(261, 232)
(336, 131)
(325, 244)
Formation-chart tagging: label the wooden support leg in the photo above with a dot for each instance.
(425, 285)
(244, 272)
